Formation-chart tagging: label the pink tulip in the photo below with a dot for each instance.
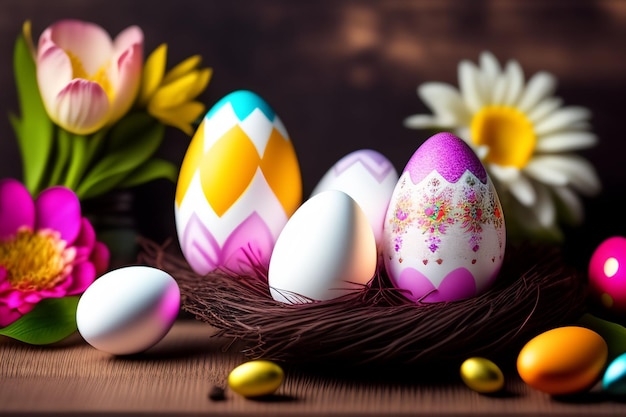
(86, 79)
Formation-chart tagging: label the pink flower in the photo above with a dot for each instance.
(86, 79)
(47, 249)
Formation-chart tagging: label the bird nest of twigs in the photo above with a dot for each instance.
(535, 291)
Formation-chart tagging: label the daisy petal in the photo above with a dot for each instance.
(543, 109)
(545, 173)
(562, 119)
(445, 101)
(580, 173)
(566, 141)
(504, 174)
(423, 121)
(523, 190)
(514, 82)
(544, 207)
(490, 68)
(16, 208)
(58, 209)
(499, 90)
(539, 86)
(481, 151)
(471, 86)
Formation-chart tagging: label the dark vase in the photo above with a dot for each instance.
(112, 216)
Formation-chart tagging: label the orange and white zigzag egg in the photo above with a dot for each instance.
(239, 183)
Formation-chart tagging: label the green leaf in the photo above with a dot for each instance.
(151, 170)
(78, 163)
(34, 130)
(62, 157)
(104, 185)
(52, 320)
(130, 126)
(132, 142)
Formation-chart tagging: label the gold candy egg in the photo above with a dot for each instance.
(256, 378)
(482, 375)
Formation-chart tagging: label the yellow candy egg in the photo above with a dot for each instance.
(561, 361)
(482, 375)
(256, 378)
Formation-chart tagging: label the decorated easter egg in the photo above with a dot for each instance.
(369, 178)
(326, 250)
(614, 378)
(482, 375)
(128, 310)
(607, 274)
(256, 378)
(239, 183)
(444, 232)
(561, 361)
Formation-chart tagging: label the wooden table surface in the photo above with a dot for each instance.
(176, 376)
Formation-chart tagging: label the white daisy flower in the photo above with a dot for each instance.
(522, 134)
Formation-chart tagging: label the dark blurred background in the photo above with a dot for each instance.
(342, 74)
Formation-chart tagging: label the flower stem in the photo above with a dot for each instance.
(62, 158)
(78, 162)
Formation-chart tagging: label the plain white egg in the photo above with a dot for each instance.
(327, 249)
(128, 310)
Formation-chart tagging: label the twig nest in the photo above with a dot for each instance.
(377, 324)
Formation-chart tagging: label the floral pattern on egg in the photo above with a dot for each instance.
(444, 232)
(440, 208)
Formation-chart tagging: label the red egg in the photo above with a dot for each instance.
(607, 274)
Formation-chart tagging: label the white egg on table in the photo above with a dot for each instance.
(327, 249)
(128, 310)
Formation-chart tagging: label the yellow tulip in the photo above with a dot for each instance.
(170, 97)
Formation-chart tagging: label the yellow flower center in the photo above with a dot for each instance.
(35, 261)
(507, 133)
(100, 76)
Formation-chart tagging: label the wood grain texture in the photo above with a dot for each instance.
(176, 376)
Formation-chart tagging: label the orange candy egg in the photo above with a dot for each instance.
(563, 361)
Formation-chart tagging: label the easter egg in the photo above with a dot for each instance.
(239, 182)
(607, 274)
(369, 178)
(444, 232)
(614, 379)
(564, 360)
(326, 250)
(128, 310)
(482, 375)
(256, 378)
